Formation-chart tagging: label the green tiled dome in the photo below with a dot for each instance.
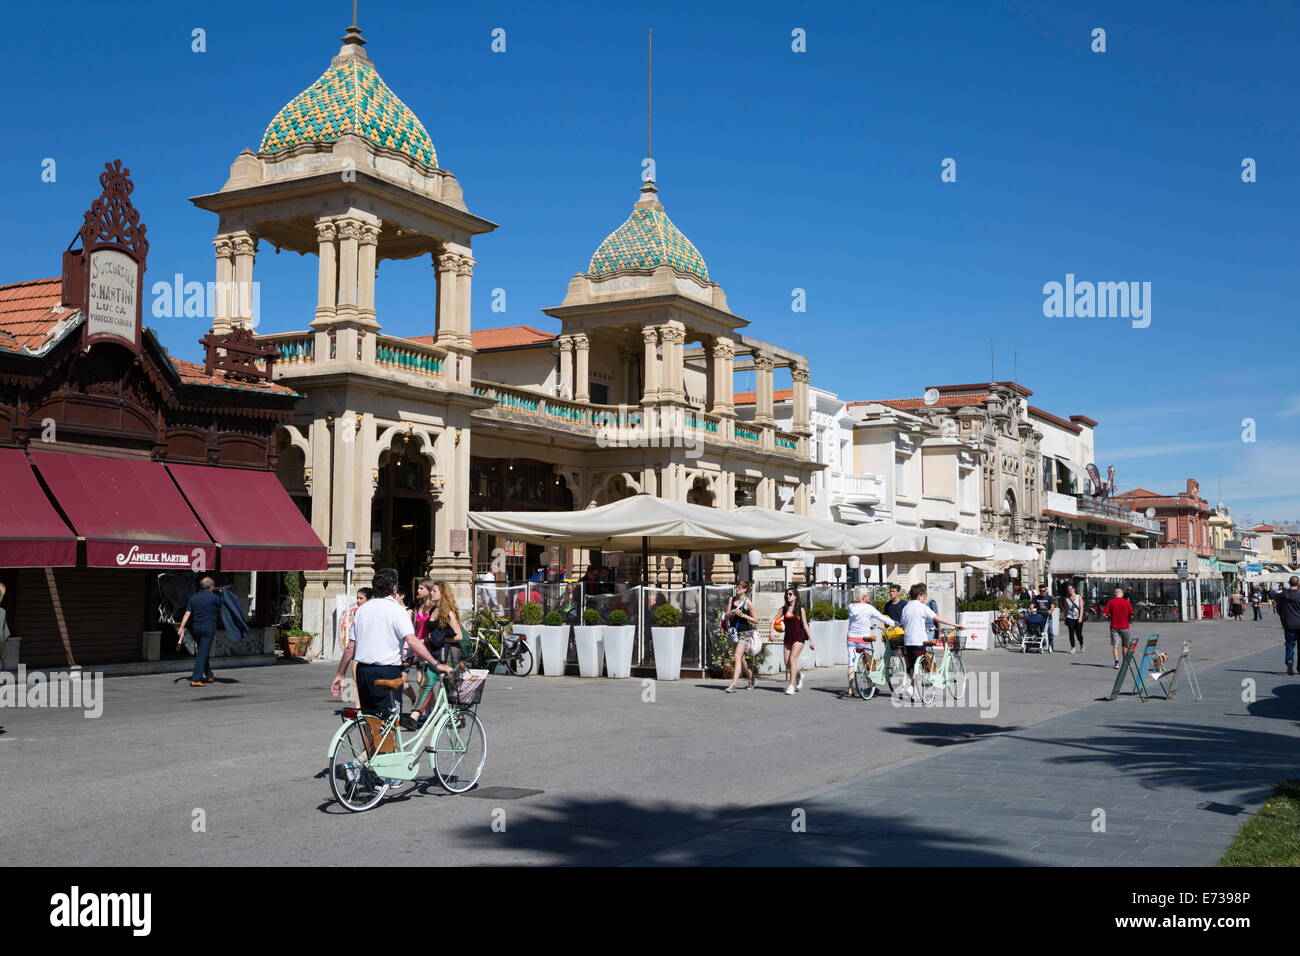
(350, 98)
(648, 239)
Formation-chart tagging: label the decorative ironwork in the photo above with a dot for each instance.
(241, 355)
(112, 219)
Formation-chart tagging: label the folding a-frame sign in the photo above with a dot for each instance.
(1138, 667)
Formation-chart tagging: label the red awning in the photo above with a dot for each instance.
(128, 510)
(32, 535)
(253, 519)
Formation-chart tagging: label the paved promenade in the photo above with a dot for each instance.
(593, 771)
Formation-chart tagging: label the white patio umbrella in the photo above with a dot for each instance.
(824, 538)
(642, 522)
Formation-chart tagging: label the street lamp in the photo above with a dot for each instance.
(809, 562)
(854, 563)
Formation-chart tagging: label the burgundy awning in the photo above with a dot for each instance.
(128, 510)
(32, 535)
(253, 519)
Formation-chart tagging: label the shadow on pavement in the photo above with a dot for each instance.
(936, 734)
(604, 831)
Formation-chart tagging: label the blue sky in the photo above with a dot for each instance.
(816, 170)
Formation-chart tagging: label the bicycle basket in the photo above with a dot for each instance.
(468, 689)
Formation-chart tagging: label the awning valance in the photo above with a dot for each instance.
(32, 535)
(252, 518)
(128, 510)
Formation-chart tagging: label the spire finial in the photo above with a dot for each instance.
(352, 36)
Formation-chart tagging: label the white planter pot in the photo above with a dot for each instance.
(532, 635)
(10, 662)
(668, 643)
(618, 642)
(591, 649)
(773, 664)
(555, 649)
(840, 642)
(808, 657)
(823, 634)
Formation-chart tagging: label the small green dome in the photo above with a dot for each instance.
(646, 240)
(350, 98)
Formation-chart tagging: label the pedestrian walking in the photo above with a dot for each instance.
(1074, 618)
(862, 616)
(345, 635)
(739, 620)
(917, 616)
(794, 621)
(1119, 612)
(1238, 605)
(1255, 603)
(1287, 605)
(204, 606)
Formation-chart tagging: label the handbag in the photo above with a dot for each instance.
(755, 644)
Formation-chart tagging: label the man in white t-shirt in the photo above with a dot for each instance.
(916, 613)
(381, 628)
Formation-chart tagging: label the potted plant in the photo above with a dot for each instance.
(668, 635)
(587, 636)
(529, 627)
(295, 641)
(618, 638)
(821, 622)
(555, 644)
(839, 653)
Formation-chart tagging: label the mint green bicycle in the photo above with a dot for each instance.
(369, 755)
(933, 676)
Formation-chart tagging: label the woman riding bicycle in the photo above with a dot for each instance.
(862, 615)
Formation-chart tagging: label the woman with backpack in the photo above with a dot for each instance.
(739, 621)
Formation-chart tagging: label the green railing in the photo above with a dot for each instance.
(745, 433)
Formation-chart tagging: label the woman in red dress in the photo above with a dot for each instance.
(795, 622)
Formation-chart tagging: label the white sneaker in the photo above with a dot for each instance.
(798, 684)
(789, 689)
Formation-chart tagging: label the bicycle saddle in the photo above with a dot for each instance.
(392, 683)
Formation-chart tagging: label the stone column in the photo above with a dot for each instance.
(651, 371)
(565, 384)
(464, 276)
(223, 306)
(581, 384)
(244, 246)
(763, 365)
(327, 279)
(446, 333)
(368, 244)
(724, 356)
(800, 424)
(349, 232)
(673, 337)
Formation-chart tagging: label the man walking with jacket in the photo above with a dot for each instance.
(205, 607)
(1287, 606)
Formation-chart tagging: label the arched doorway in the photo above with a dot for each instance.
(401, 515)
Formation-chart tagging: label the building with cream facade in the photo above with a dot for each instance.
(397, 438)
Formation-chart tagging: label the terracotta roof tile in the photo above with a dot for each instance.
(1055, 420)
(28, 313)
(508, 337)
(749, 398)
(193, 374)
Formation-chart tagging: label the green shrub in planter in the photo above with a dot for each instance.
(822, 611)
(616, 618)
(667, 615)
(553, 619)
(841, 614)
(591, 617)
(530, 614)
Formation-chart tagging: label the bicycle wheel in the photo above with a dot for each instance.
(923, 680)
(863, 685)
(520, 663)
(957, 677)
(896, 672)
(459, 750)
(352, 782)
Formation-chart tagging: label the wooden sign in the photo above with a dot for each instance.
(104, 279)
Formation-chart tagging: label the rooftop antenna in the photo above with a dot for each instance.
(649, 81)
(993, 374)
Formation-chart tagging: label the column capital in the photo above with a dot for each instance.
(580, 341)
(326, 230)
(464, 266)
(800, 374)
(224, 246)
(650, 335)
(763, 361)
(244, 244)
(349, 228)
(672, 334)
(368, 234)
